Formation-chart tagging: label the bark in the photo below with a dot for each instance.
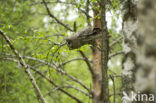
(100, 59)
(129, 27)
(97, 78)
(146, 50)
(104, 54)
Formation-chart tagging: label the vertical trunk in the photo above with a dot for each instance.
(97, 79)
(146, 50)
(100, 78)
(104, 53)
(129, 27)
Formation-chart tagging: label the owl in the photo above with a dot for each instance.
(83, 37)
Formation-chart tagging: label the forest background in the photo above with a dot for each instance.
(37, 57)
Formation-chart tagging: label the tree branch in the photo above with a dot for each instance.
(115, 42)
(115, 54)
(26, 67)
(47, 78)
(104, 54)
(52, 16)
(72, 87)
(87, 62)
(70, 3)
(53, 83)
(115, 94)
(112, 78)
(68, 61)
(52, 2)
(58, 70)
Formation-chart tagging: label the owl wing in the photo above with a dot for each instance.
(88, 32)
(85, 32)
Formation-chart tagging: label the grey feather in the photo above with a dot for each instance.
(82, 37)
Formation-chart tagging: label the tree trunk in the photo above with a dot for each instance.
(100, 78)
(146, 50)
(104, 53)
(129, 27)
(97, 78)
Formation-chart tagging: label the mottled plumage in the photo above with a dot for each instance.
(82, 37)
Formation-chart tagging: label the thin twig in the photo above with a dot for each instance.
(115, 54)
(72, 87)
(68, 61)
(115, 42)
(112, 78)
(115, 94)
(52, 2)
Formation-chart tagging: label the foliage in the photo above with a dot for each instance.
(34, 34)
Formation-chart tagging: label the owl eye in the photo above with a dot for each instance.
(69, 44)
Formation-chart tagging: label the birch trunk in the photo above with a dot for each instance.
(146, 50)
(129, 28)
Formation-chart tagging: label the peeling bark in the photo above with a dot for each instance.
(100, 58)
(97, 79)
